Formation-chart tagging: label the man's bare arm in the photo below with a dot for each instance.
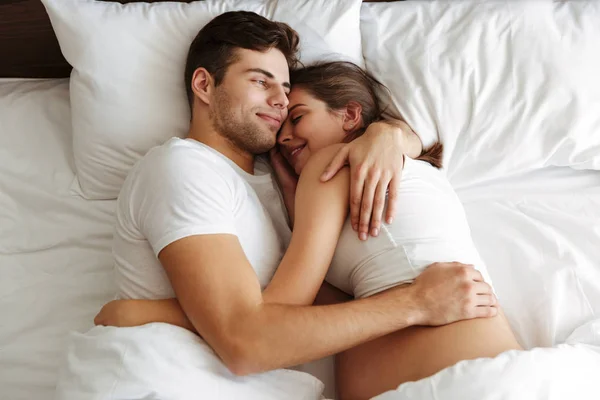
(251, 336)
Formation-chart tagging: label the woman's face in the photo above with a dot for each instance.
(309, 126)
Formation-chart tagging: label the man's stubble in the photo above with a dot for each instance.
(246, 135)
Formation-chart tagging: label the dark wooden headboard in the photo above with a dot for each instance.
(28, 46)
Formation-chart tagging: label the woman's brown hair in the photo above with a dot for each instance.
(337, 83)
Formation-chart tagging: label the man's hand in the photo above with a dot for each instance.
(449, 292)
(376, 161)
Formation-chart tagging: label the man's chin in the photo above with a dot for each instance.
(265, 146)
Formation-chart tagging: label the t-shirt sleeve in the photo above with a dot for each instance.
(180, 196)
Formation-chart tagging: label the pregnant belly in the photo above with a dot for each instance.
(418, 352)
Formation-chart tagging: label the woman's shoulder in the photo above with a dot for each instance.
(318, 161)
(326, 154)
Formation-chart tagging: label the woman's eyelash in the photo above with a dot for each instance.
(295, 120)
(261, 82)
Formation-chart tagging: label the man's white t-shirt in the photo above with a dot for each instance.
(186, 188)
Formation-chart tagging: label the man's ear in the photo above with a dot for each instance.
(202, 85)
(352, 116)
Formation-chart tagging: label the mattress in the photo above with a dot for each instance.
(539, 234)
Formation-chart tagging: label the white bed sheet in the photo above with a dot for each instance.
(55, 259)
(538, 233)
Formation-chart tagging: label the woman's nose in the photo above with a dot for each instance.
(284, 135)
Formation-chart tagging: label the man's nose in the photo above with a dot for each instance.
(278, 98)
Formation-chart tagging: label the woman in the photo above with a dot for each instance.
(330, 104)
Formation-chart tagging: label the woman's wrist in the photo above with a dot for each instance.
(407, 139)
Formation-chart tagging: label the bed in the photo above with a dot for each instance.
(530, 186)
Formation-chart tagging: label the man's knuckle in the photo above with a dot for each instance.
(466, 287)
(373, 173)
(463, 272)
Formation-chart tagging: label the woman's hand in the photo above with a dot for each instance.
(376, 161)
(117, 313)
(285, 174)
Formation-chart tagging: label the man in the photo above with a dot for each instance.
(200, 219)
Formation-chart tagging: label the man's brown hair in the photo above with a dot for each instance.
(214, 47)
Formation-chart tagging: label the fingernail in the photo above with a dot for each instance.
(374, 232)
(362, 236)
(325, 176)
(390, 220)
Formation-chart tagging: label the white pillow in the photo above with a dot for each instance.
(127, 89)
(508, 87)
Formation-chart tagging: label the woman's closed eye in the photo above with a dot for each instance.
(295, 119)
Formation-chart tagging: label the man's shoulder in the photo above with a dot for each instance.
(175, 166)
(179, 153)
(182, 160)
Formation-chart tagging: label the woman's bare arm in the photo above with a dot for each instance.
(133, 312)
(320, 211)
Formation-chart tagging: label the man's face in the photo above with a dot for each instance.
(250, 104)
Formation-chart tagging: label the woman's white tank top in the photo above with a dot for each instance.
(430, 226)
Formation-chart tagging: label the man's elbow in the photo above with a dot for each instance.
(242, 367)
(241, 357)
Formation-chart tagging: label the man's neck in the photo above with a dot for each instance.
(208, 136)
